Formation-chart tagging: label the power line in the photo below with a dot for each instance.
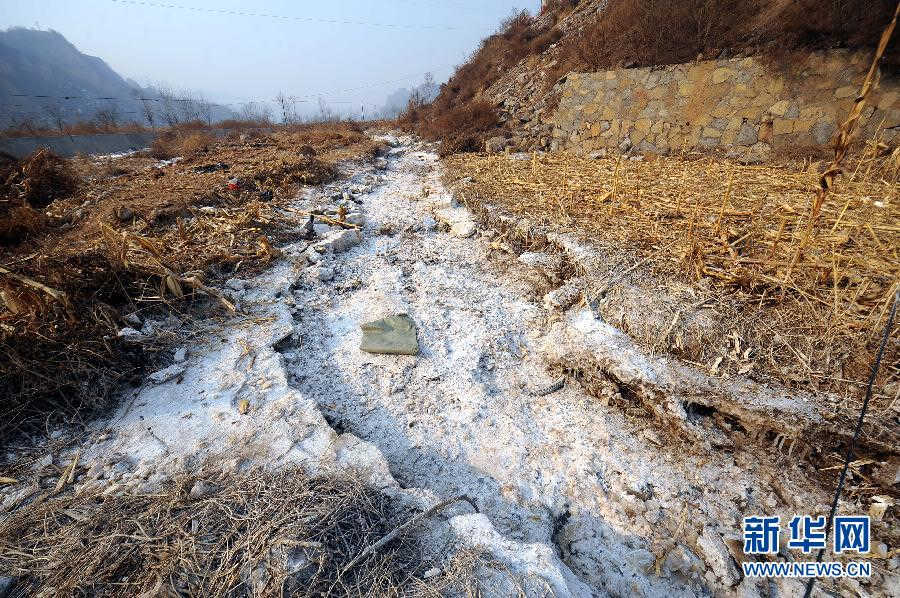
(851, 444)
(243, 13)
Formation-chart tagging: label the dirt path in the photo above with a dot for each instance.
(572, 491)
(463, 417)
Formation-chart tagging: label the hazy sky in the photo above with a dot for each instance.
(312, 52)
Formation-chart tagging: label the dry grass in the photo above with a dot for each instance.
(730, 232)
(250, 534)
(462, 129)
(657, 32)
(460, 117)
(138, 239)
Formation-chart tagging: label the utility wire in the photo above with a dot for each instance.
(244, 13)
(848, 458)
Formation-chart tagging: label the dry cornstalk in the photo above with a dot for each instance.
(401, 528)
(57, 295)
(842, 143)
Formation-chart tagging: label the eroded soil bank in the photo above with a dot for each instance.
(577, 494)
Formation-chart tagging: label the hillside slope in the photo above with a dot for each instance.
(44, 63)
(515, 72)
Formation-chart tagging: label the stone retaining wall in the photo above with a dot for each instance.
(740, 105)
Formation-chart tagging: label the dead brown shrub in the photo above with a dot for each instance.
(19, 223)
(196, 143)
(657, 32)
(163, 147)
(43, 176)
(507, 47)
(462, 129)
(27, 128)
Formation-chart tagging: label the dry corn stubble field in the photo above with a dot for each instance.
(730, 232)
(299, 535)
(136, 235)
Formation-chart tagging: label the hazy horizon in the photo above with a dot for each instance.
(351, 53)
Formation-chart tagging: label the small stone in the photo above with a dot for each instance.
(313, 255)
(124, 214)
(433, 572)
(320, 273)
(716, 555)
(463, 229)
(544, 261)
(747, 135)
(428, 223)
(395, 335)
(127, 331)
(235, 284)
(180, 354)
(822, 132)
(495, 145)
(341, 241)
(564, 297)
(381, 164)
(321, 229)
(355, 218)
(679, 560)
(134, 320)
(167, 374)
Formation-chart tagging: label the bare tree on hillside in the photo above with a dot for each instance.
(429, 88)
(168, 106)
(189, 106)
(56, 115)
(148, 112)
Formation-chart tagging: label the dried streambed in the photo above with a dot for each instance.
(578, 496)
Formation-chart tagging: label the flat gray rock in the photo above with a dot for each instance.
(169, 373)
(394, 335)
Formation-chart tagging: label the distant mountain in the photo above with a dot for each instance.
(44, 63)
(397, 101)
